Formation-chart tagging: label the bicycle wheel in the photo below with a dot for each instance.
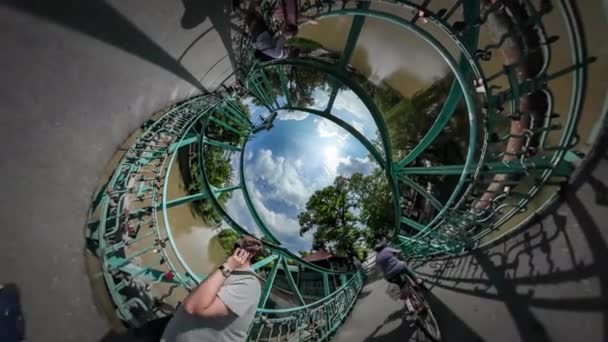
(425, 319)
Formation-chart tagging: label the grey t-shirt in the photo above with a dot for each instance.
(389, 263)
(240, 293)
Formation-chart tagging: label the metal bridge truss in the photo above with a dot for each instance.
(129, 230)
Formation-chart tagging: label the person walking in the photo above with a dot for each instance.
(223, 306)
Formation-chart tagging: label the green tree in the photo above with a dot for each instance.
(227, 238)
(302, 84)
(376, 210)
(348, 212)
(304, 254)
(329, 215)
(217, 164)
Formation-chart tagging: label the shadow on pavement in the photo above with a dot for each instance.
(101, 21)
(453, 329)
(402, 333)
(150, 332)
(557, 248)
(219, 12)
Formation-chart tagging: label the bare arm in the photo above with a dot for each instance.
(203, 301)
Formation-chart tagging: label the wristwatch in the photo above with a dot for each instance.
(225, 271)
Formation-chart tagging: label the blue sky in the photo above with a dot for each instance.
(300, 154)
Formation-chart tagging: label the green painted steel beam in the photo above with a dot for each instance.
(237, 120)
(353, 34)
(353, 282)
(291, 282)
(419, 227)
(259, 86)
(421, 190)
(267, 260)
(283, 79)
(274, 246)
(185, 199)
(346, 79)
(249, 203)
(185, 142)
(343, 279)
(218, 191)
(146, 273)
(326, 290)
(268, 284)
(470, 40)
(220, 144)
(270, 88)
(463, 81)
(199, 196)
(227, 126)
(332, 96)
(506, 167)
(350, 129)
(190, 278)
(233, 111)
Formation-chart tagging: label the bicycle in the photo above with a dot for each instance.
(417, 306)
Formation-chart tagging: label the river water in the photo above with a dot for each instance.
(196, 240)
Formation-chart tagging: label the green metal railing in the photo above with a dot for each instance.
(467, 216)
(511, 154)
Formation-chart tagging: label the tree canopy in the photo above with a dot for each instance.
(227, 238)
(348, 213)
(217, 163)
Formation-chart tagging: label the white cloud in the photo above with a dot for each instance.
(327, 129)
(298, 163)
(282, 176)
(348, 101)
(286, 229)
(321, 98)
(358, 125)
(348, 166)
(237, 209)
(292, 115)
(278, 222)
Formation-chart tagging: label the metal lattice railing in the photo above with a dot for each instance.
(513, 150)
(486, 196)
(131, 233)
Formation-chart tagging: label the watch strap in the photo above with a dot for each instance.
(225, 271)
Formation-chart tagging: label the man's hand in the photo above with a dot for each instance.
(237, 259)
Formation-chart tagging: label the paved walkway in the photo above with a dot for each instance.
(77, 78)
(547, 283)
(377, 317)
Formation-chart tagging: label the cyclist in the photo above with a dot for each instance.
(394, 269)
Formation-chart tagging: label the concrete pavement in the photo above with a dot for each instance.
(545, 283)
(77, 78)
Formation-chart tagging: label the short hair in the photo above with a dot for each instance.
(250, 244)
(380, 246)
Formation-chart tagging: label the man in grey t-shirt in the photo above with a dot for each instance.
(222, 307)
